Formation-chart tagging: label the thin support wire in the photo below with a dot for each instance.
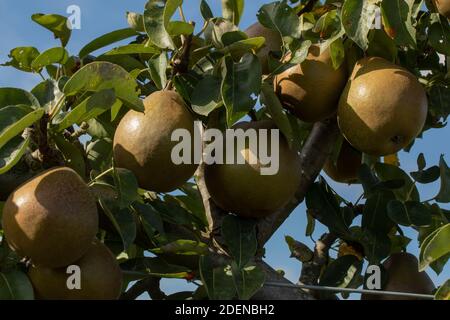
(336, 289)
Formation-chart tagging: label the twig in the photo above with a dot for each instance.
(150, 285)
(181, 63)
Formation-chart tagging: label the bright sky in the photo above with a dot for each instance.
(102, 16)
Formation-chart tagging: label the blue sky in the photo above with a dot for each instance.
(102, 16)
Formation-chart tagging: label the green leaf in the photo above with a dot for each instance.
(375, 215)
(337, 52)
(97, 76)
(240, 86)
(435, 246)
(183, 247)
(323, 203)
(275, 109)
(157, 15)
(377, 245)
(232, 10)
(14, 119)
(443, 293)
(14, 285)
(280, 17)
(158, 67)
(381, 45)
(206, 96)
(177, 28)
(106, 40)
(150, 218)
(239, 48)
(357, 18)
(99, 154)
(439, 34)
(122, 220)
(48, 94)
(16, 96)
(89, 108)
(127, 187)
(73, 155)
(21, 58)
(388, 172)
(50, 56)
(398, 21)
(133, 48)
(427, 176)
(310, 226)
(240, 238)
(205, 10)
(56, 24)
(248, 281)
(218, 281)
(444, 192)
(341, 271)
(421, 162)
(12, 152)
(410, 213)
(185, 84)
(156, 267)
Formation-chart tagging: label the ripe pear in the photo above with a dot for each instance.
(443, 7)
(243, 190)
(403, 276)
(273, 43)
(311, 89)
(383, 107)
(346, 168)
(51, 219)
(100, 278)
(142, 142)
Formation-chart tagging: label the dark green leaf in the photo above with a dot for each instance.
(56, 24)
(16, 96)
(410, 213)
(218, 281)
(73, 154)
(11, 153)
(48, 94)
(398, 21)
(427, 176)
(14, 285)
(248, 281)
(341, 271)
(106, 40)
(183, 247)
(381, 45)
(439, 34)
(205, 10)
(97, 76)
(157, 67)
(240, 238)
(280, 17)
(375, 216)
(390, 172)
(206, 96)
(151, 220)
(127, 187)
(156, 267)
(241, 86)
(444, 192)
(357, 19)
(421, 162)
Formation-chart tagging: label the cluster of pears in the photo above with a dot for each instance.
(403, 276)
(52, 220)
(381, 107)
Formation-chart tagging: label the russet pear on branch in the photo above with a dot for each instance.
(403, 276)
(273, 43)
(242, 189)
(348, 161)
(51, 219)
(443, 7)
(99, 272)
(383, 107)
(311, 89)
(142, 142)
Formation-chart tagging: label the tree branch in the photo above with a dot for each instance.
(150, 284)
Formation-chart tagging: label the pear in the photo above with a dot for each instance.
(311, 90)
(243, 190)
(347, 164)
(403, 276)
(142, 142)
(51, 219)
(383, 107)
(100, 277)
(443, 7)
(273, 43)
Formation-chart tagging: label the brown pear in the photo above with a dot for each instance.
(100, 278)
(443, 7)
(345, 169)
(51, 219)
(403, 276)
(243, 190)
(142, 142)
(311, 90)
(383, 107)
(273, 43)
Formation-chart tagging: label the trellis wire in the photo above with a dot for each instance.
(336, 289)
